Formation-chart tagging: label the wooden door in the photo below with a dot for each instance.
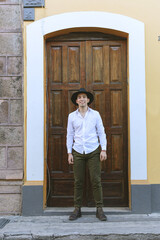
(99, 65)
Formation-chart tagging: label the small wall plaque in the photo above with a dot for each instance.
(28, 14)
(158, 38)
(33, 3)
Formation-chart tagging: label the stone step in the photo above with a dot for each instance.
(84, 237)
(88, 227)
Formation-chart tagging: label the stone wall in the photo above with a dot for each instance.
(11, 106)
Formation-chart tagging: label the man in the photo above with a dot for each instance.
(85, 132)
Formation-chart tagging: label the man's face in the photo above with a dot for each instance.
(82, 100)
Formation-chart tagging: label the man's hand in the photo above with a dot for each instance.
(103, 155)
(70, 158)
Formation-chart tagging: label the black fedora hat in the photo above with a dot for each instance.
(82, 90)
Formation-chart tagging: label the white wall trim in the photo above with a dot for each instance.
(35, 84)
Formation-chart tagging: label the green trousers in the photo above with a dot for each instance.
(93, 161)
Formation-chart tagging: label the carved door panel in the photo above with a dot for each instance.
(66, 68)
(100, 67)
(106, 78)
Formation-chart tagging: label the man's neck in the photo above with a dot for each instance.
(83, 110)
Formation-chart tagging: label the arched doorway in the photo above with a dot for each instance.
(96, 61)
(34, 101)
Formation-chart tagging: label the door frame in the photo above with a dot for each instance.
(35, 104)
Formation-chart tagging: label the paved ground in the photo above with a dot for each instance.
(118, 226)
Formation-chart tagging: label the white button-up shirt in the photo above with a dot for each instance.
(84, 134)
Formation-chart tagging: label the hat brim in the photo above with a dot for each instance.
(89, 95)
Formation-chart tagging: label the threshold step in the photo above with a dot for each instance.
(58, 211)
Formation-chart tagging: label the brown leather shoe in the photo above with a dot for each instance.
(75, 214)
(100, 214)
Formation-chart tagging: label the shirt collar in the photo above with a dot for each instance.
(89, 109)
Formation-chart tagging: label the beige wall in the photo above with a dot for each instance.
(146, 11)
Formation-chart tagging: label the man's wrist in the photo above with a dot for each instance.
(103, 151)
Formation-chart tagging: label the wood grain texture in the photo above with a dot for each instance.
(99, 65)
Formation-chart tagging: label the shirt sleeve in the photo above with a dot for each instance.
(70, 134)
(101, 133)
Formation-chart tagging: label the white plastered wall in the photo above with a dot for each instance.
(35, 85)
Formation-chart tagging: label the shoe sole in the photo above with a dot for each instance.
(104, 219)
(75, 218)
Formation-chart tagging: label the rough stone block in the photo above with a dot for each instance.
(10, 87)
(14, 65)
(11, 174)
(3, 111)
(10, 189)
(15, 158)
(16, 111)
(11, 135)
(11, 44)
(11, 183)
(10, 203)
(2, 66)
(12, 14)
(2, 157)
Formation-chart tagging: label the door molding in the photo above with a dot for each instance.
(34, 123)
